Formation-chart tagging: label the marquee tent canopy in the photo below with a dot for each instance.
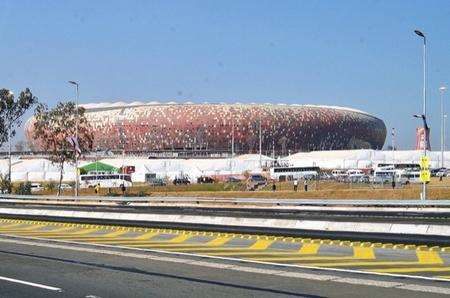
(98, 167)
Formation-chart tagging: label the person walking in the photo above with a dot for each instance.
(97, 188)
(305, 185)
(122, 187)
(274, 187)
(295, 184)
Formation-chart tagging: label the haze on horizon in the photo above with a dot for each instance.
(356, 54)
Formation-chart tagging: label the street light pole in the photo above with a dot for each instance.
(393, 146)
(445, 128)
(76, 134)
(442, 90)
(260, 141)
(424, 106)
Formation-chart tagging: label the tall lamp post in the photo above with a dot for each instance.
(393, 145)
(76, 134)
(442, 90)
(424, 105)
(445, 128)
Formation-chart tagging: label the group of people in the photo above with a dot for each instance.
(305, 185)
(122, 188)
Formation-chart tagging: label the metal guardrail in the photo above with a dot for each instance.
(235, 201)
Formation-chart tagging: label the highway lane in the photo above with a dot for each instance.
(91, 274)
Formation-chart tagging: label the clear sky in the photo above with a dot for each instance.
(360, 54)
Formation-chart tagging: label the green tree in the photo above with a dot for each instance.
(11, 111)
(54, 128)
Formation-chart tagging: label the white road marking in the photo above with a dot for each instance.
(311, 276)
(32, 284)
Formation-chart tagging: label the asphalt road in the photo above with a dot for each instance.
(89, 274)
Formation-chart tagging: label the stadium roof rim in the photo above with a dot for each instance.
(121, 104)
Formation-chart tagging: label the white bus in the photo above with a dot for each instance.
(290, 173)
(105, 180)
(338, 174)
(355, 173)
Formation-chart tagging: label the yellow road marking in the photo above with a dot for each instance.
(131, 240)
(424, 257)
(49, 232)
(428, 257)
(34, 227)
(203, 248)
(11, 226)
(147, 235)
(106, 236)
(365, 264)
(177, 239)
(309, 248)
(71, 235)
(261, 244)
(277, 257)
(412, 269)
(360, 252)
(219, 241)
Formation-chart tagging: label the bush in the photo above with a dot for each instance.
(23, 189)
(5, 184)
(51, 186)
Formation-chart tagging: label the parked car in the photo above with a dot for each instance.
(66, 186)
(35, 187)
(442, 172)
(257, 179)
(205, 179)
(157, 182)
(233, 179)
(181, 181)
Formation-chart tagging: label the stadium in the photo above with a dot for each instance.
(282, 129)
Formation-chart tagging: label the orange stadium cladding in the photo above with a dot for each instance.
(284, 128)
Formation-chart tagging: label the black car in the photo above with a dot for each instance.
(181, 181)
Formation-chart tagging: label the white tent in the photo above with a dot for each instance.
(43, 170)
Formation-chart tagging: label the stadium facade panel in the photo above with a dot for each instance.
(284, 128)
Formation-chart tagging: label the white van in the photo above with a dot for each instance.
(410, 177)
(35, 187)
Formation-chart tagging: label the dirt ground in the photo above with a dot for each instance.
(316, 190)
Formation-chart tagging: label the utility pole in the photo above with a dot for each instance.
(442, 90)
(393, 145)
(260, 141)
(424, 105)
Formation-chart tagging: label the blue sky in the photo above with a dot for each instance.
(360, 54)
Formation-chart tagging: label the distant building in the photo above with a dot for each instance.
(215, 127)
